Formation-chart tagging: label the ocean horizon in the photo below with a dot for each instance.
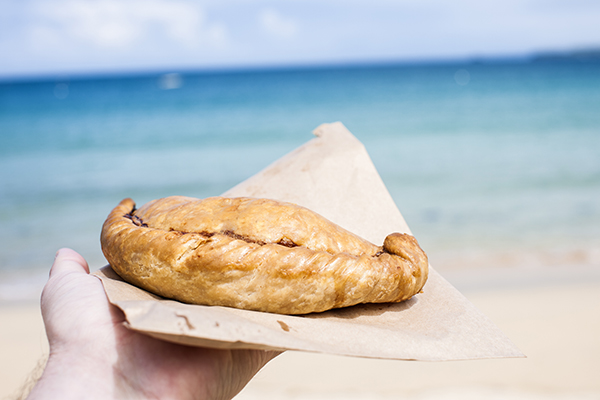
(493, 165)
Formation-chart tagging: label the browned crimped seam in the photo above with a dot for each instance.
(283, 242)
(137, 221)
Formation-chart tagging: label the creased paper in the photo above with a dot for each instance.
(332, 175)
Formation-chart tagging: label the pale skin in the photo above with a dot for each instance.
(93, 356)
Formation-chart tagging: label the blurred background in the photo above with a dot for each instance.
(483, 119)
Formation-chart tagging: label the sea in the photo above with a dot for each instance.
(495, 165)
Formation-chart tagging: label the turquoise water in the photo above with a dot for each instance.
(490, 163)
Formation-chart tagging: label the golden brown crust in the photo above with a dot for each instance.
(256, 254)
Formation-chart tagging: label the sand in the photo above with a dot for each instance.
(557, 327)
(556, 324)
(23, 344)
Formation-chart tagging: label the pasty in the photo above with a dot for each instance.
(256, 254)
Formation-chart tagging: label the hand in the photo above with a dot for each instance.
(92, 355)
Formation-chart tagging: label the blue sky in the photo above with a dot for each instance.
(43, 37)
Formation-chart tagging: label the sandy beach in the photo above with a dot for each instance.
(23, 345)
(555, 321)
(556, 325)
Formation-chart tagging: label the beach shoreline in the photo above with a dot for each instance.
(497, 178)
(555, 322)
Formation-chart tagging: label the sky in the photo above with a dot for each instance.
(53, 37)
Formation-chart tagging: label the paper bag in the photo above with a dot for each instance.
(332, 175)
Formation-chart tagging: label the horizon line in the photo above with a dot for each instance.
(581, 55)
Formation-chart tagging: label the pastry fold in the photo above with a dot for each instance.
(256, 254)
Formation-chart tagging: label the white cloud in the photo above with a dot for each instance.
(114, 24)
(276, 24)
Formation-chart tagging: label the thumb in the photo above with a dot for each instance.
(67, 260)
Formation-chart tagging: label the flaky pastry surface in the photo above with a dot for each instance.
(256, 254)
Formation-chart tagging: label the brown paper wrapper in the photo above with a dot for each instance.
(332, 175)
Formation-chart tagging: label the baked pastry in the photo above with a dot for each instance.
(256, 254)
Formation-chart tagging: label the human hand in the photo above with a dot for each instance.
(92, 355)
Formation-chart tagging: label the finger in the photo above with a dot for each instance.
(67, 260)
